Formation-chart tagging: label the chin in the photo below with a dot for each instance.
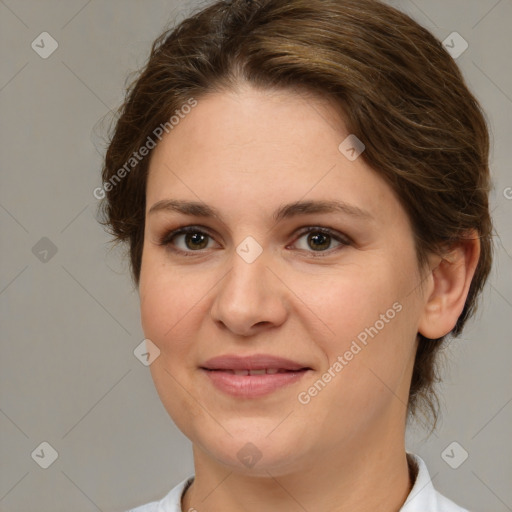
(255, 453)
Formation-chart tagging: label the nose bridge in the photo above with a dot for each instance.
(248, 294)
(249, 271)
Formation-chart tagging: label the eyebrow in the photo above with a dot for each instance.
(199, 209)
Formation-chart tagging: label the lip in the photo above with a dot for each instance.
(252, 386)
(254, 362)
(220, 372)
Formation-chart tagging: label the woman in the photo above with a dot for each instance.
(303, 186)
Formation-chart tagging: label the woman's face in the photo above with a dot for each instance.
(342, 300)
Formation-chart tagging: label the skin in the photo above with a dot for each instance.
(246, 153)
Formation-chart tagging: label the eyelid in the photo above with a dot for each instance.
(343, 239)
(168, 236)
(337, 235)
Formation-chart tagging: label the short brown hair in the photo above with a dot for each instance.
(401, 92)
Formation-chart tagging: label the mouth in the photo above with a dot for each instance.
(256, 362)
(263, 371)
(252, 384)
(252, 376)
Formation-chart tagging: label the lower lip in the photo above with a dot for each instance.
(252, 386)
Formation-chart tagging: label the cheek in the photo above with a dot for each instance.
(166, 307)
(173, 306)
(169, 311)
(353, 299)
(161, 304)
(370, 315)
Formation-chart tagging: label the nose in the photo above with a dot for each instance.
(250, 298)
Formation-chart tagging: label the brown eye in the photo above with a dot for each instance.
(190, 239)
(186, 240)
(196, 240)
(320, 240)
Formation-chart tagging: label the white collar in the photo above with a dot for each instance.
(422, 498)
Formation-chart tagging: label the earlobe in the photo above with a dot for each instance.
(451, 280)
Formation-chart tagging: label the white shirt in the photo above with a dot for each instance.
(422, 498)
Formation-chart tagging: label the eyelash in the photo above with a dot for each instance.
(167, 238)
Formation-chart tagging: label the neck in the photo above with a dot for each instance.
(357, 478)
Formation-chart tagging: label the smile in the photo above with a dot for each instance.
(253, 383)
(269, 371)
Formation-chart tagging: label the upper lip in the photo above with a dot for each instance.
(254, 362)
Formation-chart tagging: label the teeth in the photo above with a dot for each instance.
(257, 372)
(269, 371)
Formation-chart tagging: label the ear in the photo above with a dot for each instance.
(449, 287)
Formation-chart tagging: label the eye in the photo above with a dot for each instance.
(193, 239)
(320, 240)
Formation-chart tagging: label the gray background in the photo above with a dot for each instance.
(70, 324)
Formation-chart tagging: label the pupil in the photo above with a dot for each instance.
(196, 238)
(320, 240)
(320, 236)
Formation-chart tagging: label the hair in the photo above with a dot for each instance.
(400, 91)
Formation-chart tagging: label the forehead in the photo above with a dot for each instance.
(256, 114)
(261, 147)
(274, 123)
